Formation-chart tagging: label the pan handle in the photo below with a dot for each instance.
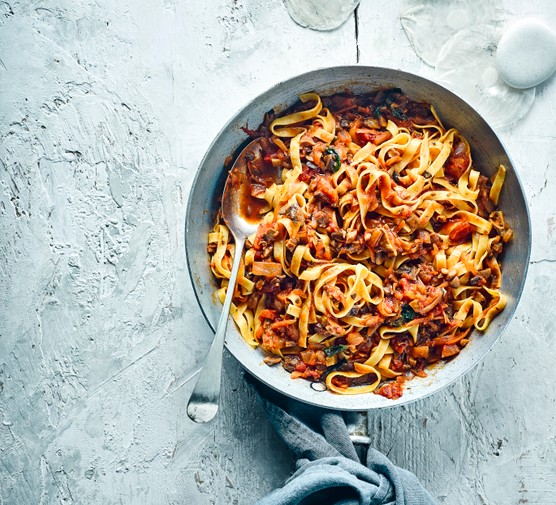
(358, 428)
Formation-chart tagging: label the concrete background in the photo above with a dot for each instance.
(106, 109)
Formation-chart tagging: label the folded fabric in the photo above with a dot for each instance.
(329, 471)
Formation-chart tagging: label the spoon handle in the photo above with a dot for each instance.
(203, 403)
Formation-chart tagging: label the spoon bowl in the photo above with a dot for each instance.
(240, 210)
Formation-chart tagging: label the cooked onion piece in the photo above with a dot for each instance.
(428, 24)
(320, 15)
(467, 65)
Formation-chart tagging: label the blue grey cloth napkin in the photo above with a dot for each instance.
(329, 471)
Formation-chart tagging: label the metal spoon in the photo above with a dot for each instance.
(238, 216)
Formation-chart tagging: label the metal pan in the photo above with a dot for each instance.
(488, 153)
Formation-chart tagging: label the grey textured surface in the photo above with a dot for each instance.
(106, 109)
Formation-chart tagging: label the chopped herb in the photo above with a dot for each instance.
(388, 97)
(334, 349)
(408, 313)
(333, 368)
(377, 112)
(330, 151)
(427, 175)
(396, 177)
(396, 112)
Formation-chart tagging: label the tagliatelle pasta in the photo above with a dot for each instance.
(377, 253)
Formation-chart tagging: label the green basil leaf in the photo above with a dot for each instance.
(333, 368)
(332, 152)
(396, 112)
(334, 349)
(408, 313)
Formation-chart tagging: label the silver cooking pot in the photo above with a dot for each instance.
(488, 153)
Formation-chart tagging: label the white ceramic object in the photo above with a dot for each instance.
(320, 15)
(488, 153)
(429, 24)
(467, 65)
(526, 54)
